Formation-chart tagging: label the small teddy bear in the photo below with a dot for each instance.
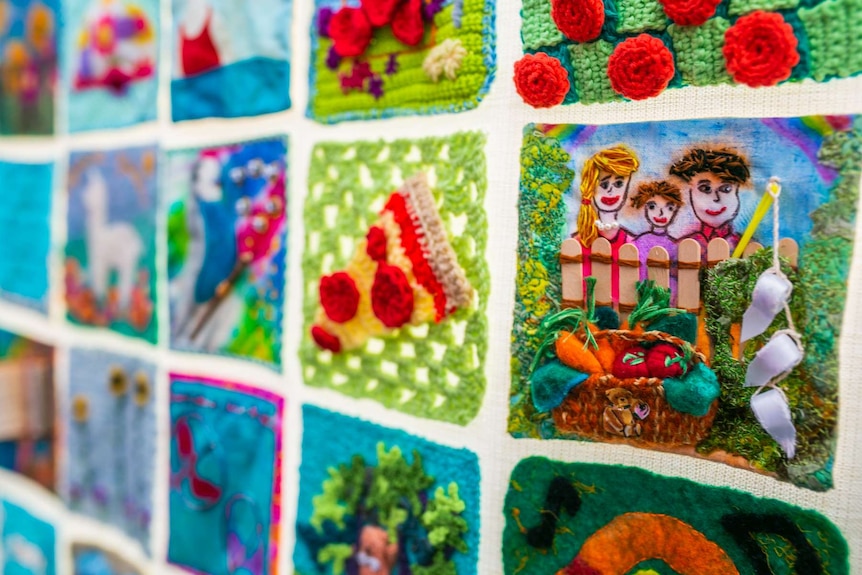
(623, 415)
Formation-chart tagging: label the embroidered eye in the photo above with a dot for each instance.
(619, 183)
(273, 206)
(605, 185)
(237, 175)
(118, 383)
(651, 205)
(671, 207)
(255, 168)
(725, 189)
(260, 224)
(243, 206)
(705, 188)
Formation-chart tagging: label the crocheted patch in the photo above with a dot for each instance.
(585, 519)
(832, 28)
(371, 61)
(639, 16)
(225, 480)
(28, 38)
(26, 243)
(110, 430)
(227, 248)
(613, 360)
(590, 65)
(414, 329)
(110, 265)
(35, 536)
(91, 560)
(231, 59)
(739, 7)
(699, 57)
(537, 26)
(372, 496)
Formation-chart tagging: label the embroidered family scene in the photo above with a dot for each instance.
(110, 254)
(227, 248)
(28, 72)
(396, 282)
(94, 560)
(27, 542)
(681, 287)
(592, 51)
(379, 501)
(382, 58)
(225, 477)
(231, 58)
(591, 519)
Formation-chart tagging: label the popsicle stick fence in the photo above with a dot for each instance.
(659, 268)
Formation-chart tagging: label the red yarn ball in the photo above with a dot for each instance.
(407, 25)
(690, 12)
(391, 296)
(350, 31)
(339, 297)
(760, 49)
(325, 340)
(379, 12)
(376, 244)
(541, 80)
(640, 67)
(579, 20)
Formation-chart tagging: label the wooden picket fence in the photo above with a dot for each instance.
(689, 263)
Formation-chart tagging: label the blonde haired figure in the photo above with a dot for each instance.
(605, 181)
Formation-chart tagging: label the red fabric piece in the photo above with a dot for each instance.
(339, 296)
(760, 49)
(325, 340)
(391, 296)
(380, 12)
(541, 80)
(198, 54)
(579, 20)
(690, 12)
(640, 67)
(580, 567)
(350, 31)
(630, 363)
(659, 364)
(407, 24)
(376, 246)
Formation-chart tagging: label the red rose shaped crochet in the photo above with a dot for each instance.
(379, 12)
(760, 49)
(339, 297)
(350, 31)
(391, 296)
(690, 12)
(631, 363)
(376, 244)
(541, 80)
(325, 340)
(579, 20)
(640, 67)
(664, 360)
(407, 25)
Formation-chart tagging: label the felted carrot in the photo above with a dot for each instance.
(573, 352)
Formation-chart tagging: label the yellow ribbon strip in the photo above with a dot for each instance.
(759, 213)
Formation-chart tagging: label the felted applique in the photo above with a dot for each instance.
(395, 274)
(231, 58)
(601, 50)
(377, 500)
(28, 44)
(94, 560)
(640, 248)
(227, 249)
(591, 519)
(111, 62)
(26, 243)
(225, 480)
(383, 58)
(110, 428)
(28, 542)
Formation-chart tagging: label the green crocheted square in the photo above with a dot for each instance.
(640, 16)
(432, 370)
(834, 30)
(537, 27)
(698, 52)
(739, 7)
(590, 64)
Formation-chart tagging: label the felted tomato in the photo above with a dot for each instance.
(631, 363)
(665, 360)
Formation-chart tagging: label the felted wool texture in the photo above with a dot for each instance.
(432, 370)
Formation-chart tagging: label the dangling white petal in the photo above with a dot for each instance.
(772, 412)
(780, 355)
(770, 295)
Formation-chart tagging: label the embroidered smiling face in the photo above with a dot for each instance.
(611, 192)
(660, 212)
(715, 201)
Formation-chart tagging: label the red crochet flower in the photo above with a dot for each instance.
(376, 246)
(350, 31)
(339, 296)
(690, 12)
(579, 20)
(407, 25)
(379, 12)
(760, 49)
(325, 340)
(391, 296)
(541, 80)
(640, 67)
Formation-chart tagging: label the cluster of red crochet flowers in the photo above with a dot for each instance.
(351, 29)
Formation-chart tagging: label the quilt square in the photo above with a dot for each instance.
(28, 42)
(110, 266)
(227, 248)
(27, 543)
(584, 518)
(110, 424)
(225, 484)
(383, 58)
(110, 62)
(396, 282)
(648, 311)
(231, 58)
(94, 560)
(377, 500)
(26, 245)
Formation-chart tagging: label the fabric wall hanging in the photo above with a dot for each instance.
(27, 543)
(377, 500)
(28, 43)
(381, 58)
(227, 248)
(93, 560)
(230, 58)
(600, 51)
(627, 362)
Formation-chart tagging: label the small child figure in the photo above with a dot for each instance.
(661, 202)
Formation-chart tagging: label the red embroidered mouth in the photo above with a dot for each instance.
(660, 220)
(609, 200)
(716, 212)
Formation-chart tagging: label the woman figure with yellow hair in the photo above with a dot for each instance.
(605, 181)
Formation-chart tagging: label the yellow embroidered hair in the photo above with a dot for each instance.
(619, 161)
